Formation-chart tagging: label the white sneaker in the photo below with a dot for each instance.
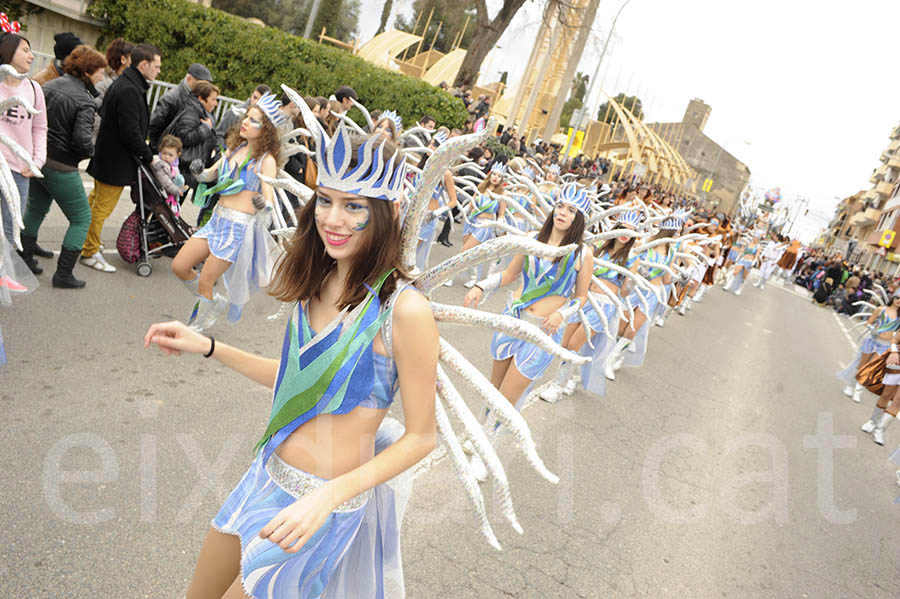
(868, 426)
(552, 393)
(479, 471)
(470, 283)
(571, 385)
(756, 284)
(609, 372)
(682, 309)
(738, 292)
(660, 322)
(98, 262)
(448, 283)
(878, 435)
(857, 395)
(848, 390)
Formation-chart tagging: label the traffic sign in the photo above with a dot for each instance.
(887, 238)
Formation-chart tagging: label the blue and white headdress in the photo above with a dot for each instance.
(499, 168)
(440, 137)
(269, 105)
(553, 168)
(574, 194)
(631, 217)
(390, 114)
(671, 224)
(375, 175)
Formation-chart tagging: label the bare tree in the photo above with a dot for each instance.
(487, 33)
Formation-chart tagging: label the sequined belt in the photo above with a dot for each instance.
(233, 215)
(297, 483)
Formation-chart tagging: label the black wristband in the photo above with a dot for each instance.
(212, 347)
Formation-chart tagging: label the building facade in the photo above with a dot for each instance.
(710, 160)
(878, 212)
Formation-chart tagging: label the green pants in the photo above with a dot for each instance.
(68, 191)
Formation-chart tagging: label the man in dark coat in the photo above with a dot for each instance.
(121, 139)
(174, 101)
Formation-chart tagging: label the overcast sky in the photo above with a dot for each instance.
(802, 91)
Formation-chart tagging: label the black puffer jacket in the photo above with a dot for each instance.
(70, 120)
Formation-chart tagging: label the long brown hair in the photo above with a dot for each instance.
(269, 142)
(301, 272)
(575, 233)
(620, 257)
(486, 185)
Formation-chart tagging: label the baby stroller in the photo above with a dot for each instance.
(152, 228)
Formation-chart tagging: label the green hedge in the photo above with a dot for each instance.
(242, 55)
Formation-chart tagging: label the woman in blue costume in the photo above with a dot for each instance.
(618, 252)
(553, 290)
(235, 244)
(443, 201)
(628, 329)
(881, 326)
(314, 515)
(656, 263)
(487, 205)
(741, 271)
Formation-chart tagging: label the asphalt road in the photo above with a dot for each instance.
(730, 465)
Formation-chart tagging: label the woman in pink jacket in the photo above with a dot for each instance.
(28, 131)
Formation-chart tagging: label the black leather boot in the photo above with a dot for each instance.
(41, 252)
(63, 277)
(27, 254)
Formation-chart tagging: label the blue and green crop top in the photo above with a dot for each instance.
(542, 277)
(485, 204)
(885, 324)
(608, 274)
(232, 179)
(651, 257)
(333, 371)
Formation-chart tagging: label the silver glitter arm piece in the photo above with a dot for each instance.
(499, 247)
(499, 406)
(13, 201)
(616, 302)
(521, 211)
(614, 233)
(482, 446)
(569, 310)
(509, 325)
(414, 133)
(491, 283)
(586, 325)
(298, 132)
(366, 115)
(349, 122)
(494, 224)
(624, 308)
(296, 149)
(21, 154)
(463, 471)
(432, 174)
(288, 183)
(602, 315)
(884, 295)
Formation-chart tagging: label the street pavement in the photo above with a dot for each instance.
(729, 465)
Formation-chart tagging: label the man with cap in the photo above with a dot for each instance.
(174, 101)
(65, 43)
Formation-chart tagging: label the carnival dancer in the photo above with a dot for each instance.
(627, 328)
(789, 260)
(600, 314)
(235, 244)
(713, 251)
(488, 205)
(747, 253)
(770, 255)
(312, 503)
(443, 200)
(553, 291)
(881, 325)
(888, 405)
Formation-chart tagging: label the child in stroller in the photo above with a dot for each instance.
(167, 174)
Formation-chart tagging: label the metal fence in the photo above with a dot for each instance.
(156, 91)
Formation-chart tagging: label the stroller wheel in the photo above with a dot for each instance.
(144, 269)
